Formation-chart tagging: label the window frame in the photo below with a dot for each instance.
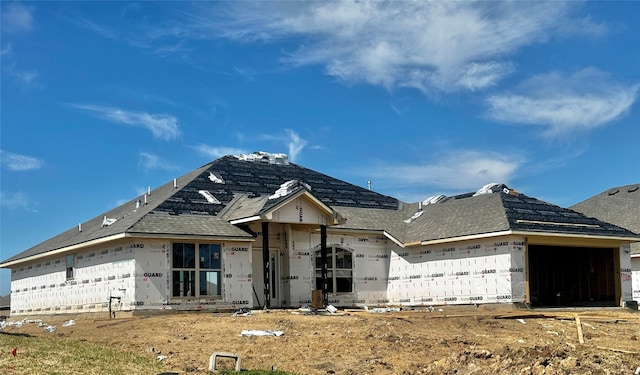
(194, 270)
(70, 262)
(332, 269)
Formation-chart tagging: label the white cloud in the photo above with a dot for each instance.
(17, 18)
(19, 163)
(162, 126)
(458, 171)
(217, 152)
(6, 51)
(149, 161)
(295, 143)
(427, 45)
(584, 100)
(16, 201)
(27, 78)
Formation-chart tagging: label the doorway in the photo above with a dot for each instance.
(258, 278)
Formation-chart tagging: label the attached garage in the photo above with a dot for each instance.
(561, 276)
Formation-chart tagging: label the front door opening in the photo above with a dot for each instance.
(571, 276)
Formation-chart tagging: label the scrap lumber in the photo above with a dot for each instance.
(580, 335)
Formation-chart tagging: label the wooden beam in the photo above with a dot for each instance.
(265, 264)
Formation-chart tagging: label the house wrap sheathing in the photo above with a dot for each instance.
(251, 231)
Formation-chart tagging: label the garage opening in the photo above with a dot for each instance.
(561, 276)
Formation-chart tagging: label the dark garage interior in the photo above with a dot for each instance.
(562, 276)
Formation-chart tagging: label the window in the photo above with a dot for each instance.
(193, 278)
(70, 261)
(339, 270)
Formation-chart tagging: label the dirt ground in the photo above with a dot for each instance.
(463, 340)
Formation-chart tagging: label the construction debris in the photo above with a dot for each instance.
(254, 332)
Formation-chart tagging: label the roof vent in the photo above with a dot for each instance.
(633, 188)
(265, 157)
(614, 191)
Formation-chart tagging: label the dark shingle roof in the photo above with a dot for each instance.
(619, 205)
(195, 203)
(466, 215)
(202, 202)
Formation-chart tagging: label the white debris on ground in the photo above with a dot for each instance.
(47, 327)
(255, 332)
(242, 312)
(382, 309)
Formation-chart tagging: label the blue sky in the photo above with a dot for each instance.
(100, 100)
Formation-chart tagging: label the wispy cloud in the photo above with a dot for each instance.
(26, 78)
(563, 105)
(161, 125)
(17, 18)
(295, 144)
(455, 172)
(216, 152)
(16, 201)
(7, 50)
(19, 163)
(149, 161)
(291, 139)
(426, 45)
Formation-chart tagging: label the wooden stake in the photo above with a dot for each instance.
(580, 336)
(617, 350)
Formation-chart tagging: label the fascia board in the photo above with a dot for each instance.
(582, 236)
(246, 219)
(118, 237)
(169, 236)
(393, 239)
(461, 238)
(65, 249)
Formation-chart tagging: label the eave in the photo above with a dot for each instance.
(120, 236)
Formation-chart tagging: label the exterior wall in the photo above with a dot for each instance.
(41, 287)
(153, 278)
(370, 267)
(300, 210)
(137, 271)
(626, 282)
(468, 272)
(635, 278)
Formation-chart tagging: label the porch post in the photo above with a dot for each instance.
(323, 256)
(265, 264)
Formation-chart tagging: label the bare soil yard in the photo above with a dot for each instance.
(463, 340)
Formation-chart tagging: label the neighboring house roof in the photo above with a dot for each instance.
(618, 205)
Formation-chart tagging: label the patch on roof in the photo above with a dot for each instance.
(491, 188)
(215, 179)
(415, 216)
(265, 157)
(209, 197)
(433, 200)
(108, 221)
(287, 188)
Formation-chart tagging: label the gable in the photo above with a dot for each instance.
(302, 209)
